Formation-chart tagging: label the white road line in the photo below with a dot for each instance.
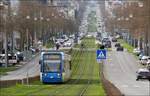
(125, 86)
(136, 86)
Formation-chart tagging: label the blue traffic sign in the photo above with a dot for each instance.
(101, 54)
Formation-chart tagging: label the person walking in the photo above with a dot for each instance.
(57, 46)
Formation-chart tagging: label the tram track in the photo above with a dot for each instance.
(90, 76)
(79, 77)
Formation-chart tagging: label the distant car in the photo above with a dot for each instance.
(137, 51)
(144, 60)
(67, 44)
(107, 44)
(141, 55)
(143, 74)
(12, 59)
(120, 48)
(114, 40)
(105, 39)
(117, 45)
(19, 55)
(34, 49)
(89, 36)
(118, 36)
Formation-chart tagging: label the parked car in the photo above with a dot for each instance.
(34, 49)
(148, 65)
(19, 55)
(12, 59)
(114, 40)
(143, 74)
(118, 37)
(120, 48)
(67, 44)
(137, 51)
(141, 55)
(117, 45)
(144, 60)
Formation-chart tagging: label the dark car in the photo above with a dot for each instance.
(107, 44)
(120, 48)
(143, 74)
(20, 57)
(117, 45)
(114, 40)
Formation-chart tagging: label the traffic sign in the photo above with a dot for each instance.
(101, 54)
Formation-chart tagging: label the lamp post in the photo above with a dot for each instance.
(41, 19)
(35, 31)
(13, 47)
(27, 33)
(47, 31)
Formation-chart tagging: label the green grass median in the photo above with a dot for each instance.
(92, 21)
(3, 70)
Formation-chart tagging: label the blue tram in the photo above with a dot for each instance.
(55, 67)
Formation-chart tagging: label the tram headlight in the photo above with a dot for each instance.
(44, 74)
(58, 74)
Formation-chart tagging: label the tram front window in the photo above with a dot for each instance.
(52, 66)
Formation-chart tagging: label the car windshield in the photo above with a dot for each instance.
(52, 66)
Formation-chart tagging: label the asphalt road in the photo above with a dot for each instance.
(32, 68)
(120, 69)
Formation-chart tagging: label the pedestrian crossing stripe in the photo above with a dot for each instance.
(101, 55)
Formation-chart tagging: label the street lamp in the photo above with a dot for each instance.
(47, 31)
(35, 19)
(27, 30)
(41, 18)
(14, 15)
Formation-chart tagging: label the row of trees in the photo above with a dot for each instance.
(35, 21)
(134, 19)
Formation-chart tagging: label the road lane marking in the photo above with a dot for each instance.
(124, 86)
(136, 86)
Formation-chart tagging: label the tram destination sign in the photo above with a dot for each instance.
(51, 57)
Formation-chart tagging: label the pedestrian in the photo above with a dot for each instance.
(82, 45)
(57, 46)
